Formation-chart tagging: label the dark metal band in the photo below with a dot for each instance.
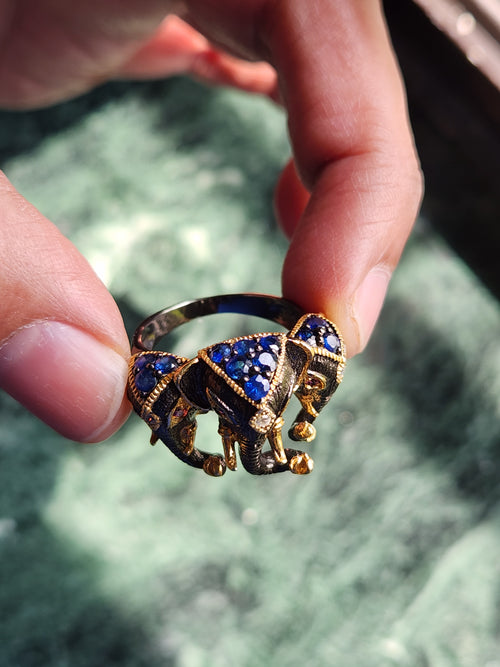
(155, 327)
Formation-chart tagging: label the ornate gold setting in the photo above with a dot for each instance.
(203, 354)
(169, 392)
(262, 420)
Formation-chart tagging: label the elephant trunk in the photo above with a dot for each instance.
(257, 462)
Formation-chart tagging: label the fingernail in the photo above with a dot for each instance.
(368, 302)
(67, 378)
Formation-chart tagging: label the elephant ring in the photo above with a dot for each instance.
(247, 381)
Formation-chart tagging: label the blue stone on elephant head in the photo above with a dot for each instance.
(145, 380)
(256, 387)
(143, 360)
(236, 368)
(243, 347)
(266, 361)
(316, 322)
(318, 332)
(270, 344)
(165, 365)
(307, 335)
(332, 343)
(219, 352)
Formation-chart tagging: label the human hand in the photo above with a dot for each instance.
(63, 348)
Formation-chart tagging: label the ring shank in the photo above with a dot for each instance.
(155, 327)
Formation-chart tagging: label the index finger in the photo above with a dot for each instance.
(352, 144)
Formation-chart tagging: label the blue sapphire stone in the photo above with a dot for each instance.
(270, 344)
(307, 335)
(145, 380)
(266, 361)
(243, 347)
(235, 368)
(256, 387)
(220, 352)
(316, 322)
(142, 361)
(332, 343)
(165, 365)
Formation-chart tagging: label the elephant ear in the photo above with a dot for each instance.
(251, 365)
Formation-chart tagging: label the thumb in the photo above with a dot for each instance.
(63, 347)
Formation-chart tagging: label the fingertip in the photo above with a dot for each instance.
(114, 422)
(349, 241)
(67, 378)
(317, 284)
(63, 346)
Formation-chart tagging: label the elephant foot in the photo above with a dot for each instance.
(214, 465)
(301, 464)
(303, 431)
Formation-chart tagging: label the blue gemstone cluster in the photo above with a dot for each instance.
(251, 363)
(148, 370)
(318, 332)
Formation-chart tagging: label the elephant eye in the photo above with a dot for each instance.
(315, 380)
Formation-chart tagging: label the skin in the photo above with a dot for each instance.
(347, 201)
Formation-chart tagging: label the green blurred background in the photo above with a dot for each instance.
(118, 554)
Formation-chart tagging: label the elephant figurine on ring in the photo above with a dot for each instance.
(248, 382)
